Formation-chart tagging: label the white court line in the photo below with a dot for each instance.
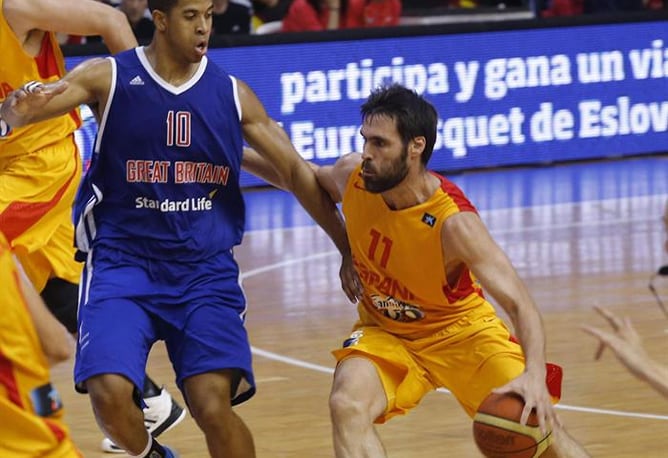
(270, 379)
(328, 370)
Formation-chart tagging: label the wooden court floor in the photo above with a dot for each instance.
(572, 256)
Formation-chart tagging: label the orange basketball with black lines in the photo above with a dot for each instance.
(498, 433)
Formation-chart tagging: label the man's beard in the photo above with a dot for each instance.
(381, 182)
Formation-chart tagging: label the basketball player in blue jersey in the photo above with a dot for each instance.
(158, 215)
(40, 167)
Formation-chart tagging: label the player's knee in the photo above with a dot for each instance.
(211, 405)
(62, 298)
(343, 405)
(212, 415)
(209, 398)
(110, 392)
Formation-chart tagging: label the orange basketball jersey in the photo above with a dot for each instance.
(30, 409)
(18, 68)
(399, 258)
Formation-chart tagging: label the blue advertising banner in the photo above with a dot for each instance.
(504, 97)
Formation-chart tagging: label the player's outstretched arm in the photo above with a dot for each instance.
(74, 17)
(89, 83)
(269, 139)
(627, 346)
(256, 164)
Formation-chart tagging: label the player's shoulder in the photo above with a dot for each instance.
(213, 68)
(348, 162)
(345, 166)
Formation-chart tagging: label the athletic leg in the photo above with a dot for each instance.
(162, 412)
(114, 399)
(115, 338)
(356, 400)
(117, 414)
(376, 378)
(209, 398)
(212, 357)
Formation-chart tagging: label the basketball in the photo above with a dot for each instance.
(498, 433)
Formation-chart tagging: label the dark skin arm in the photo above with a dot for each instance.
(294, 174)
(87, 83)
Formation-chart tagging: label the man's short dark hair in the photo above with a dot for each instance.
(162, 5)
(412, 113)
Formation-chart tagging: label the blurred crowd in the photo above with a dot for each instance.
(550, 8)
(275, 16)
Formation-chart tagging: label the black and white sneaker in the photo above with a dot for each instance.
(161, 414)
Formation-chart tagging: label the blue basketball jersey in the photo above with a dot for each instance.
(164, 176)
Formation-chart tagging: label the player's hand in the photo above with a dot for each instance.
(350, 280)
(25, 101)
(624, 341)
(533, 390)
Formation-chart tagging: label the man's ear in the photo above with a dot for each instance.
(416, 146)
(160, 20)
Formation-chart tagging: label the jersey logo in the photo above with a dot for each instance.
(137, 81)
(395, 309)
(353, 339)
(428, 219)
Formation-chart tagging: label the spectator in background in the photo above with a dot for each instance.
(382, 13)
(439, 5)
(231, 17)
(577, 7)
(562, 8)
(611, 6)
(269, 10)
(314, 15)
(139, 18)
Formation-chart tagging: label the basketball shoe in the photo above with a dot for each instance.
(161, 414)
(170, 453)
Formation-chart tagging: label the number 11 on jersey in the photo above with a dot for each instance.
(376, 239)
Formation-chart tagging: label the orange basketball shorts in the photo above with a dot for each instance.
(36, 194)
(470, 358)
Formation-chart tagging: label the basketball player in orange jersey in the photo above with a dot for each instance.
(420, 247)
(40, 167)
(31, 339)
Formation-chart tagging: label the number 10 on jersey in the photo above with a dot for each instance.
(178, 128)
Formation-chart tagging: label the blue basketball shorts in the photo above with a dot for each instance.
(128, 303)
